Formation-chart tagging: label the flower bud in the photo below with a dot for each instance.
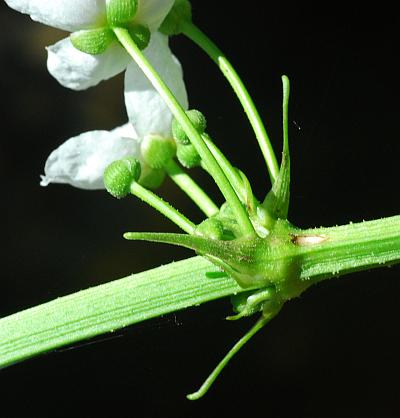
(198, 120)
(181, 12)
(151, 178)
(140, 34)
(119, 176)
(188, 156)
(211, 228)
(120, 12)
(157, 150)
(92, 41)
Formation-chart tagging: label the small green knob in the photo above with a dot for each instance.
(198, 120)
(119, 176)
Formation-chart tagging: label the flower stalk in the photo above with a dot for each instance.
(195, 138)
(209, 47)
(191, 188)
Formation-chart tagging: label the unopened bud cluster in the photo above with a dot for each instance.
(186, 152)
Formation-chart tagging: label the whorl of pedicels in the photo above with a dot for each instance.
(119, 176)
(198, 120)
(180, 13)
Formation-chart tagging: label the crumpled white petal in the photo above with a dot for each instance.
(69, 15)
(81, 160)
(78, 71)
(153, 12)
(146, 109)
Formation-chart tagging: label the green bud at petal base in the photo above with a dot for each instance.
(181, 12)
(157, 150)
(120, 12)
(119, 176)
(188, 156)
(211, 228)
(198, 120)
(92, 41)
(140, 34)
(151, 178)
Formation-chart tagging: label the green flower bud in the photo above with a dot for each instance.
(120, 12)
(151, 178)
(188, 156)
(92, 41)
(119, 176)
(140, 34)
(211, 228)
(198, 120)
(157, 150)
(181, 12)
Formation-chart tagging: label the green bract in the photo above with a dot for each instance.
(140, 34)
(120, 12)
(187, 155)
(151, 178)
(157, 150)
(92, 41)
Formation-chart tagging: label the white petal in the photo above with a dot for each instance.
(125, 131)
(68, 15)
(146, 109)
(81, 160)
(153, 12)
(78, 71)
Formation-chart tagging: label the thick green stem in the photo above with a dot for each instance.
(191, 188)
(328, 252)
(205, 43)
(321, 253)
(194, 136)
(111, 306)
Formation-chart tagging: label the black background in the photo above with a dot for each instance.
(332, 353)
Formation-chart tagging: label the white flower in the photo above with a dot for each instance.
(75, 69)
(81, 160)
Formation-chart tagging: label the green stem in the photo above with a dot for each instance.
(348, 248)
(195, 138)
(191, 188)
(231, 353)
(109, 307)
(322, 252)
(231, 173)
(205, 43)
(163, 207)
